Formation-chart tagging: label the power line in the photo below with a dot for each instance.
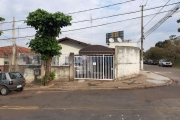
(124, 13)
(146, 2)
(142, 3)
(101, 7)
(98, 25)
(169, 14)
(156, 14)
(106, 16)
(84, 10)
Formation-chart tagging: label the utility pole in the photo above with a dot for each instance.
(13, 42)
(142, 35)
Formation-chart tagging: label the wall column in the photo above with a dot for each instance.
(71, 60)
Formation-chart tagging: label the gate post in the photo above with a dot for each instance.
(71, 69)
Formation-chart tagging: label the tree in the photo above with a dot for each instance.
(155, 53)
(172, 49)
(178, 21)
(161, 44)
(1, 19)
(48, 27)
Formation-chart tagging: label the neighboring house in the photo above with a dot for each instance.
(7, 50)
(70, 45)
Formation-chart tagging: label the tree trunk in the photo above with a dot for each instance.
(48, 69)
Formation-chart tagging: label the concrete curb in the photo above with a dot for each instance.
(97, 88)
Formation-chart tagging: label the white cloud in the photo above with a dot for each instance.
(21, 8)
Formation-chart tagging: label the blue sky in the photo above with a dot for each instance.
(21, 8)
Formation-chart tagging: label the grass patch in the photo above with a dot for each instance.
(176, 63)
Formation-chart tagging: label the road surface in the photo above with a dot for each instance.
(170, 72)
(148, 104)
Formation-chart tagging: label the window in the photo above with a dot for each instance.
(4, 76)
(0, 76)
(15, 75)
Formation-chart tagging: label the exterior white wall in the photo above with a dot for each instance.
(1, 61)
(127, 61)
(71, 46)
(113, 45)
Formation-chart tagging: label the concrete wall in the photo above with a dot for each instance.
(28, 71)
(113, 45)
(62, 73)
(126, 62)
(71, 46)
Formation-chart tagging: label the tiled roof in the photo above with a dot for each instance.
(67, 38)
(4, 51)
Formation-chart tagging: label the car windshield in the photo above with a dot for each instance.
(15, 75)
(165, 61)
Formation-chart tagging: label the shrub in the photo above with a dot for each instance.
(52, 77)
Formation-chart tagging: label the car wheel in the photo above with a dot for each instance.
(4, 90)
(20, 89)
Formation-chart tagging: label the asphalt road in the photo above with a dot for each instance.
(148, 104)
(170, 72)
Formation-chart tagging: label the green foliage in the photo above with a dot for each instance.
(47, 47)
(168, 49)
(48, 27)
(52, 76)
(43, 80)
(178, 21)
(1, 19)
(161, 44)
(155, 53)
(176, 62)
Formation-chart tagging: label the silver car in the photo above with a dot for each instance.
(164, 62)
(11, 81)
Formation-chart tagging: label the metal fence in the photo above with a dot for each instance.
(35, 59)
(29, 59)
(62, 60)
(99, 67)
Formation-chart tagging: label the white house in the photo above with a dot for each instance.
(68, 46)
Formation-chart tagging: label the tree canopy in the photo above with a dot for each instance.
(169, 49)
(1, 19)
(155, 53)
(178, 21)
(48, 27)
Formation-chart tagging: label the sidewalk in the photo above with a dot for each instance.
(146, 79)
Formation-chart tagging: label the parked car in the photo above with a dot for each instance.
(145, 61)
(11, 81)
(152, 62)
(164, 62)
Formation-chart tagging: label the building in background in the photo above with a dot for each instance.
(6, 51)
(117, 39)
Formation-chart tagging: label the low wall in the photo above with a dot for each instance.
(32, 73)
(62, 73)
(127, 60)
(28, 71)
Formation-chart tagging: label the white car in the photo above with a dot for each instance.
(164, 62)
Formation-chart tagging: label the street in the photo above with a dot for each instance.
(143, 104)
(172, 73)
